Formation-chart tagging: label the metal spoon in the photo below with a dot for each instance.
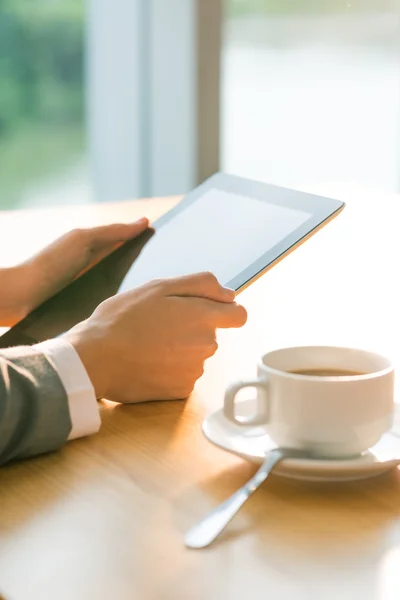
(206, 530)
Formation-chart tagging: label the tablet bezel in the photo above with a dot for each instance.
(321, 209)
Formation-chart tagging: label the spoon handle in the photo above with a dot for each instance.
(206, 530)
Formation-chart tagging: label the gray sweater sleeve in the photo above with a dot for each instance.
(34, 413)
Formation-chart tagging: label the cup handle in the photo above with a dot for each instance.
(258, 418)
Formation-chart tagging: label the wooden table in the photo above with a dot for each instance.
(104, 518)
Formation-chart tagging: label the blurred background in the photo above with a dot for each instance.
(108, 100)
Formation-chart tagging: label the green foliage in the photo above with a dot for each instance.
(41, 61)
(31, 154)
(41, 91)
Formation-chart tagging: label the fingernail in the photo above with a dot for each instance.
(141, 221)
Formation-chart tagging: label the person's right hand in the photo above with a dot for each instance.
(151, 343)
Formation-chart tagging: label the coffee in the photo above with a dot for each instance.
(327, 372)
(333, 410)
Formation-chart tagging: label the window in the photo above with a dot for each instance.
(310, 96)
(107, 100)
(311, 92)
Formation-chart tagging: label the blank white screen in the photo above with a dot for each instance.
(220, 232)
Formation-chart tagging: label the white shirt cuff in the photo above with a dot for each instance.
(83, 409)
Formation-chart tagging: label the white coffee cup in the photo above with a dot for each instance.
(330, 415)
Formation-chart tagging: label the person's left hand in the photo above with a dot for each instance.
(27, 285)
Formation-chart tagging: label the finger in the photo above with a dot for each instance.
(106, 235)
(230, 315)
(217, 314)
(97, 242)
(200, 285)
(77, 249)
(75, 252)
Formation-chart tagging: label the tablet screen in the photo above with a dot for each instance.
(233, 227)
(222, 232)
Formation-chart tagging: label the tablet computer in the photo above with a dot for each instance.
(234, 227)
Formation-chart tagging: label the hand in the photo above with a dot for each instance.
(26, 286)
(151, 343)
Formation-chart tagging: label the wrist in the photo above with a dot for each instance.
(88, 346)
(15, 298)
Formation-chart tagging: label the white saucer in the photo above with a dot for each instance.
(251, 443)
